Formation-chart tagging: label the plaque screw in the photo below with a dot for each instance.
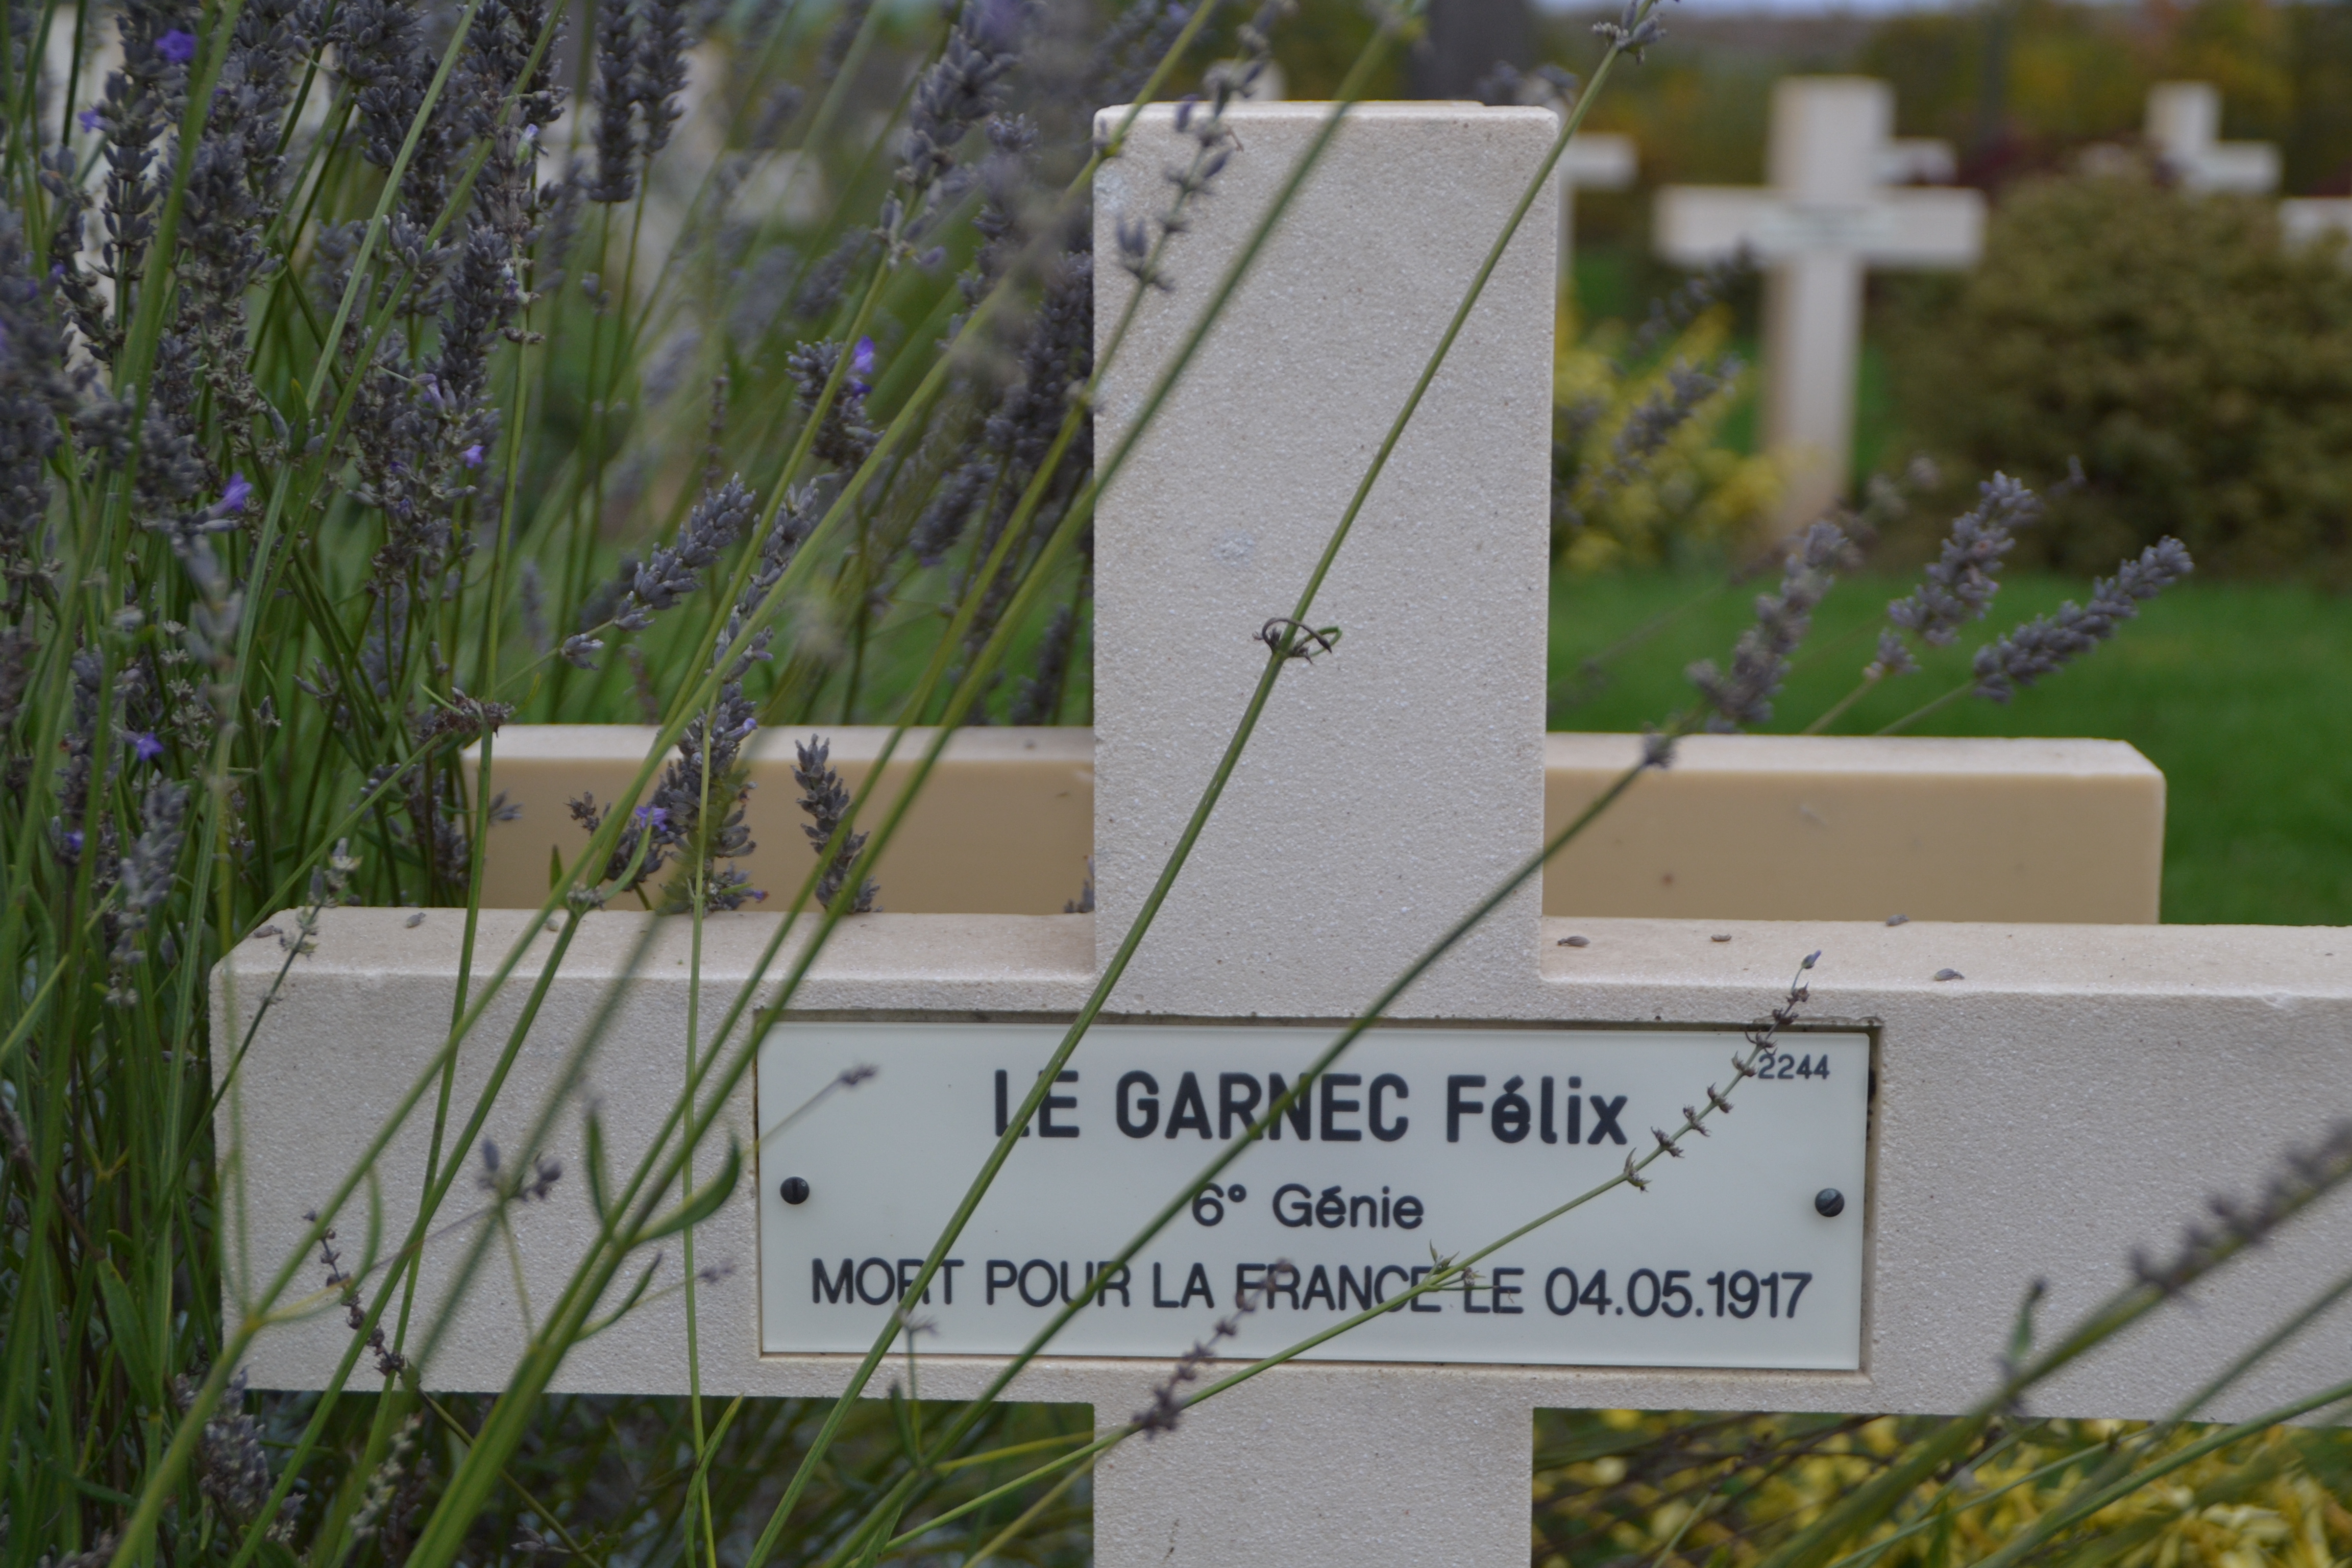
(1829, 1202)
(795, 1191)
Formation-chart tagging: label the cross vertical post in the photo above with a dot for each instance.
(1393, 781)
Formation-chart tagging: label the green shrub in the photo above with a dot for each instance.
(1643, 472)
(2199, 367)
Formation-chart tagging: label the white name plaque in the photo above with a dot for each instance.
(1422, 1143)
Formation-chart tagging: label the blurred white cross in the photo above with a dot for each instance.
(1827, 216)
(2184, 123)
(1594, 160)
(2184, 127)
(2306, 219)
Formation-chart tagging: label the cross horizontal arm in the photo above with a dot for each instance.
(1929, 229)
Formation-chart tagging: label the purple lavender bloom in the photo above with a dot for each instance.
(87, 120)
(178, 45)
(472, 455)
(240, 491)
(861, 364)
(147, 747)
(73, 839)
(999, 23)
(654, 817)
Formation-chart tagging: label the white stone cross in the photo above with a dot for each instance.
(1826, 216)
(2306, 219)
(1598, 161)
(2184, 128)
(2038, 1100)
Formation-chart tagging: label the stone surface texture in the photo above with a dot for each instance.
(1393, 781)
(1856, 826)
(1004, 825)
(1744, 826)
(2082, 1091)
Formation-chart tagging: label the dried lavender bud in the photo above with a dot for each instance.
(843, 438)
(1654, 420)
(943, 521)
(1040, 693)
(819, 292)
(960, 89)
(1688, 303)
(1634, 29)
(1960, 585)
(36, 397)
(2045, 644)
(1006, 177)
(147, 869)
(17, 647)
(233, 1467)
(1058, 354)
(499, 49)
(613, 94)
(140, 101)
(795, 517)
(561, 204)
(1894, 659)
(660, 74)
(827, 800)
(649, 826)
(1166, 1410)
(1760, 661)
(386, 66)
(706, 818)
(1125, 58)
(671, 573)
(483, 298)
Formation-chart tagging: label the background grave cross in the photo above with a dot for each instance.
(1597, 161)
(2184, 127)
(1825, 217)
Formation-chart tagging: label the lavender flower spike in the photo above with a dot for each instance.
(2044, 643)
(1760, 662)
(827, 800)
(1960, 585)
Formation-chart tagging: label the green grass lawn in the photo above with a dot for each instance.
(2240, 692)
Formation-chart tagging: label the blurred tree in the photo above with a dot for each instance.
(2318, 130)
(2197, 367)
